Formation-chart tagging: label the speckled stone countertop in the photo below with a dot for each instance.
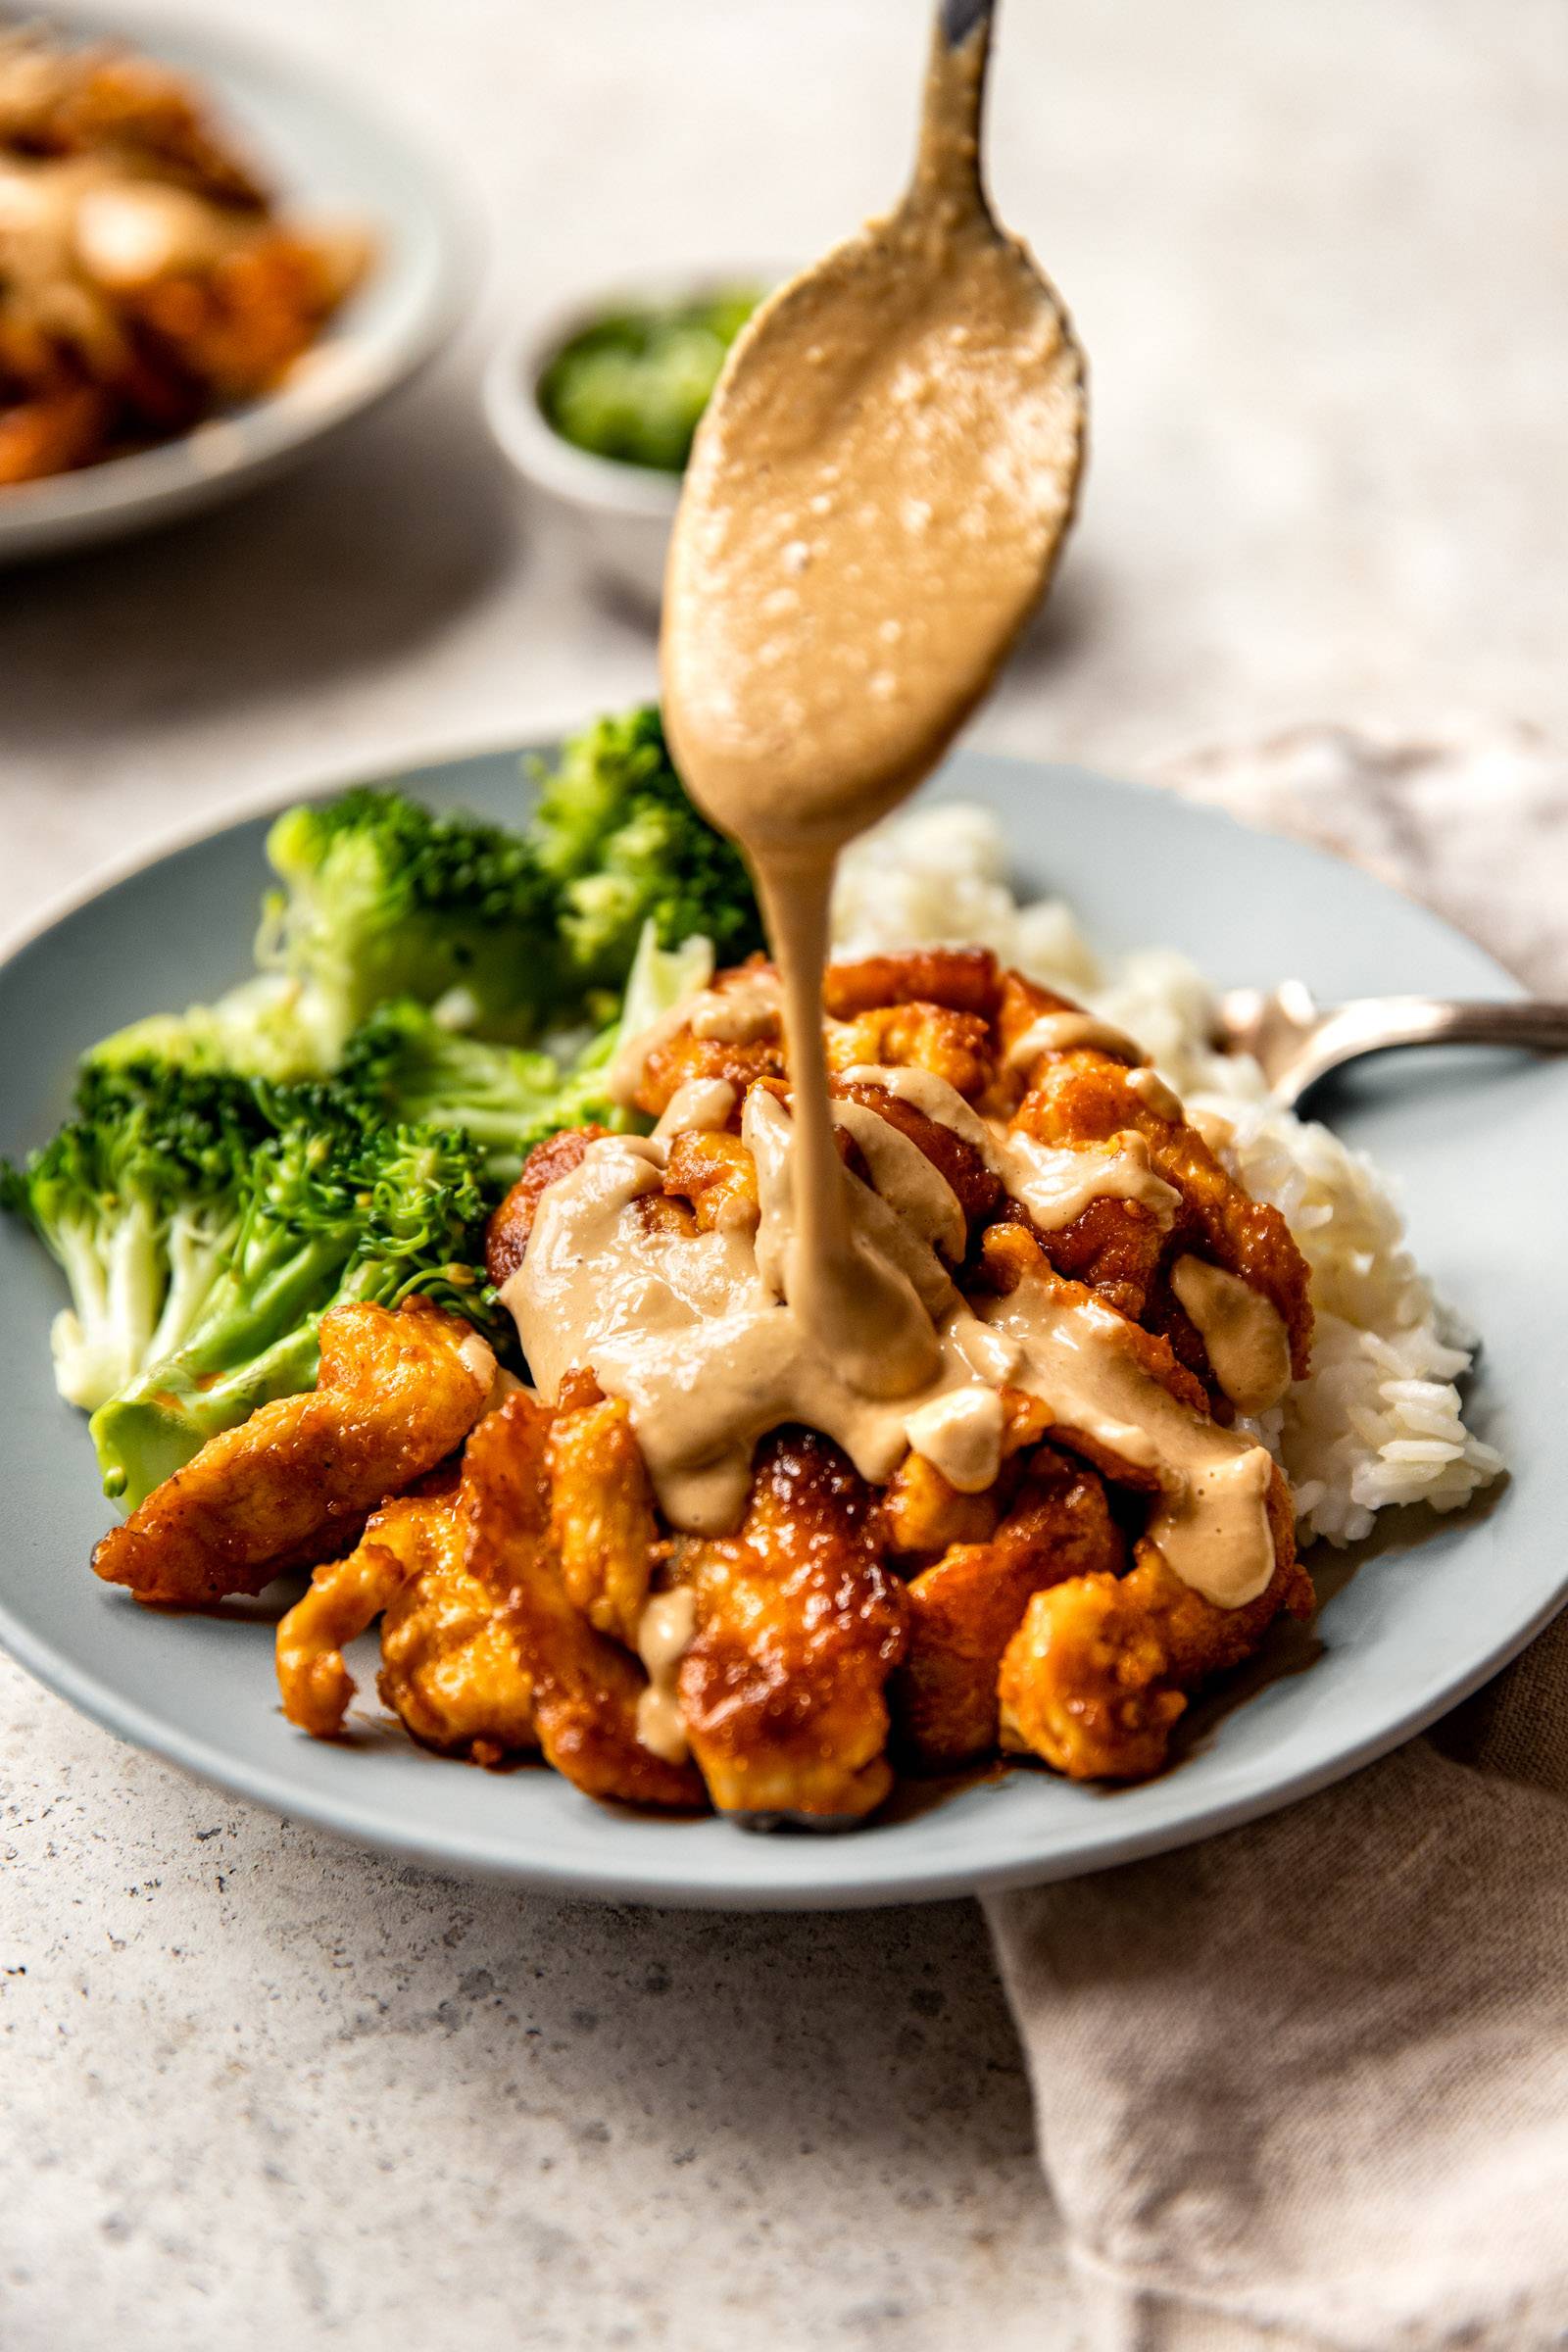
(263, 2089)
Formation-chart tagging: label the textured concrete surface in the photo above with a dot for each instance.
(262, 2089)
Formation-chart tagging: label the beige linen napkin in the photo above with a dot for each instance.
(1306, 2086)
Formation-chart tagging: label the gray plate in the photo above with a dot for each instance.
(1478, 1141)
(329, 156)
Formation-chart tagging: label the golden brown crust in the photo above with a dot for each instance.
(602, 1521)
(1085, 1098)
(965, 1611)
(977, 1190)
(397, 1391)
(585, 1685)
(962, 979)
(1009, 1256)
(954, 1046)
(718, 1176)
(799, 1626)
(450, 1663)
(345, 1598)
(1102, 1666)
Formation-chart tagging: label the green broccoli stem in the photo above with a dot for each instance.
(197, 1248)
(115, 1281)
(254, 1340)
(146, 1435)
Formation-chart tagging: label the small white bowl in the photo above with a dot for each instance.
(620, 514)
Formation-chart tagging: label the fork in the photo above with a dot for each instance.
(1296, 1041)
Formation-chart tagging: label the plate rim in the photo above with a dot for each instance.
(62, 512)
(887, 1878)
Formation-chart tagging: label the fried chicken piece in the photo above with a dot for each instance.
(922, 1515)
(735, 1032)
(1114, 1248)
(930, 1008)
(51, 435)
(955, 1046)
(963, 979)
(602, 1515)
(453, 1664)
(397, 1393)
(1085, 1098)
(965, 1611)
(507, 1234)
(345, 1598)
(799, 1625)
(447, 1664)
(237, 327)
(1102, 1666)
(1021, 1004)
(585, 1685)
(1011, 1255)
(59, 101)
(718, 1175)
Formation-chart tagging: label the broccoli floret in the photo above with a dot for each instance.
(614, 829)
(634, 384)
(270, 1027)
(406, 1064)
(383, 898)
(137, 1197)
(337, 1206)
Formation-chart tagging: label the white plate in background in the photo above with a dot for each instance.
(328, 154)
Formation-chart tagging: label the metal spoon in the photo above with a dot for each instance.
(1296, 1041)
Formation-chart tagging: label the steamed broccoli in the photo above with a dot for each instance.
(337, 1206)
(634, 384)
(380, 898)
(404, 1063)
(137, 1197)
(384, 898)
(269, 1027)
(614, 830)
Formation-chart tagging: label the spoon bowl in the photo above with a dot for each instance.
(877, 497)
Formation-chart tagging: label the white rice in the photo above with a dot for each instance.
(1379, 1420)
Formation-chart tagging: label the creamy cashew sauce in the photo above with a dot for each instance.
(664, 1633)
(1057, 1182)
(874, 506)
(1059, 1032)
(1248, 1346)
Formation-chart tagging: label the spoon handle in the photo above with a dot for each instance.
(1373, 1024)
(958, 18)
(1375, 1021)
(949, 160)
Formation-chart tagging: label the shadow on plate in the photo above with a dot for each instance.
(1292, 1647)
(372, 546)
